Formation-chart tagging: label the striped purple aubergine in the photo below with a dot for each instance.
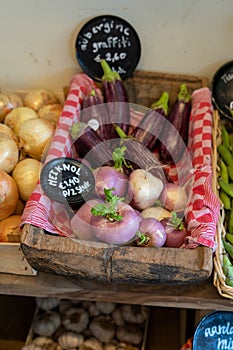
(173, 140)
(95, 114)
(116, 97)
(150, 126)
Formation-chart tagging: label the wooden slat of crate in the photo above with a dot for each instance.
(146, 87)
(82, 260)
(12, 260)
(119, 264)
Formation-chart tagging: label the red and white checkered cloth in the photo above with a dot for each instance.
(203, 209)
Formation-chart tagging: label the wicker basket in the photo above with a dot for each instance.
(219, 276)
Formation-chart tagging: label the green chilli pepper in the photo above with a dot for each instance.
(225, 199)
(225, 154)
(227, 270)
(224, 173)
(225, 137)
(228, 247)
(230, 172)
(230, 223)
(226, 187)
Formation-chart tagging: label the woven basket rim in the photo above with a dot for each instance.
(219, 277)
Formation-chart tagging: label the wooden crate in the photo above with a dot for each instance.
(141, 327)
(12, 260)
(81, 260)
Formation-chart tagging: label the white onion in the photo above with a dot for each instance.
(17, 116)
(8, 195)
(26, 175)
(34, 134)
(37, 98)
(9, 153)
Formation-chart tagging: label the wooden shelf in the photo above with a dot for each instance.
(198, 296)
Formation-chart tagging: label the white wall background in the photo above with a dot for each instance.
(177, 36)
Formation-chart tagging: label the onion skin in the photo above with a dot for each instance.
(34, 134)
(8, 101)
(17, 116)
(9, 153)
(108, 177)
(51, 113)
(117, 232)
(8, 131)
(174, 198)
(9, 225)
(26, 175)
(81, 221)
(38, 98)
(151, 233)
(8, 195)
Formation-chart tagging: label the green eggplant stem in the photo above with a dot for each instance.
(92, 92)
(109, 75)
(120, 132)
(162, 103)
(184, 94)
(77, 129)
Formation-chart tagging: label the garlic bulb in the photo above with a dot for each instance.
(47, 323)
(32, 346)
(129, 333)
(42, 341)
(105, 307)
(91, 344)
(134, 313)
(69, 340)
(102, 328)
(75, 319)
(47, 303)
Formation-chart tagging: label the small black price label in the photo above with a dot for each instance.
(214, 332)
(67, 180)
(110, 38)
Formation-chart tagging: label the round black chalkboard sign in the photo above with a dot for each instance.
(67, 180)
(222, 89)
(215, 331)
(110, 38)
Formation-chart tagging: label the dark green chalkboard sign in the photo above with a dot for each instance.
(214, 332)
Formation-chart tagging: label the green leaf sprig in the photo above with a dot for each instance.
(118, 156)
(176, 222)
(109, 209)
